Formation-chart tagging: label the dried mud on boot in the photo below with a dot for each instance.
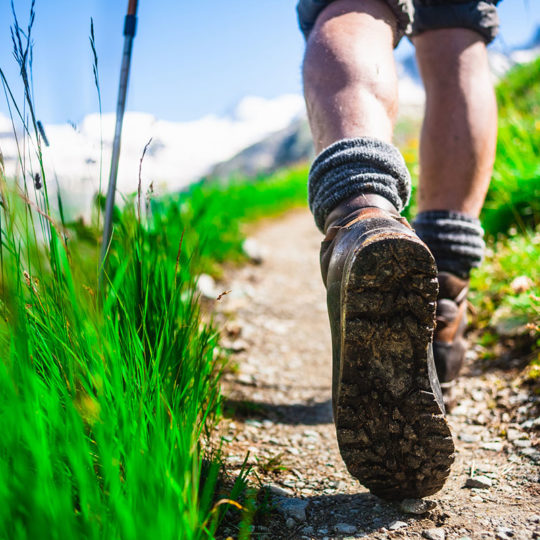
(390, 422)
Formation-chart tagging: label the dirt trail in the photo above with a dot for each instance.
(279, 402)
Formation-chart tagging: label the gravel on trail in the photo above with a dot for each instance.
(278, 407)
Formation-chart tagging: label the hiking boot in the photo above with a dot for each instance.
(449, 344)
(381, 285)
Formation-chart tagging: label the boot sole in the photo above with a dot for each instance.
(391, 428)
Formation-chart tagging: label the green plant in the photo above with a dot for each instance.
(108, 400)
(513, 199)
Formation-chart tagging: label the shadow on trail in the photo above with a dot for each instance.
(338, 516)
(319, 412)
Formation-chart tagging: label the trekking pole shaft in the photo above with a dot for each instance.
(130, 25)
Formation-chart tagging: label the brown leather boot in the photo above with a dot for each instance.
(381, 285)
(449, 344)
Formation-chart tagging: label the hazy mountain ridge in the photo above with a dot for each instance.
(290, 145)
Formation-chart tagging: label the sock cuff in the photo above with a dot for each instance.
(357, 166)
(455, 239)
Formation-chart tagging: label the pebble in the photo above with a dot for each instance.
(523, 443)
(344, 528)
(238, 345)
(521, 284)
(469, 437)
(479, 482)
(417, 506)
(514, 434)
(478, 395)
(477, 498)
(207, 286)
(290, 523)
(530, 453)
(395, 525)
(278, 491)
(504, 532)
(253, 250)
(434, 534)
(295, 508)
(493, 446)
(531, 423)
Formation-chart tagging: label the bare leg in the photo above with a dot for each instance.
(457, 147)
(350, 80)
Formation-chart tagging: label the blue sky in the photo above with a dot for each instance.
(190, 58)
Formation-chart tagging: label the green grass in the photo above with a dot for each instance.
(513, 199)
(212, 215)
(106, 408)
(108, 398)
(506, 288)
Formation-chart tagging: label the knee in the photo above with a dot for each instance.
(352, 49)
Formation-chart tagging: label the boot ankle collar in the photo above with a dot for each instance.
(347, 207)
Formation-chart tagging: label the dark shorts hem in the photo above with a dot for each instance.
(309, 10)
(478, 15)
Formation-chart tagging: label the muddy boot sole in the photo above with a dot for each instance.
(391, 428)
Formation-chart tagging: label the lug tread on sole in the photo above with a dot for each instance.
(392, 434)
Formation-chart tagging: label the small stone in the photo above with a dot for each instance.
(434, 534)
(207, 286)
(478, 396)
(493, 446)
(531, 453)
(344, 528)
(253, 250)
(308, 530)
(521, 284)
(479, 482)
(395, 525)
(278, 491)
(469, 437)
(245, 378)
(290, 523)
(477, 498)
(295, 508)
(531, 423)
(514, 434)
(523, 443)
(238, 345)
(417, 506)
(503, 533)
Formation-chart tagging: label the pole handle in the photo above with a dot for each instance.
(132, 7)
(130, 22)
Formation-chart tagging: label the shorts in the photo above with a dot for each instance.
(416, 16)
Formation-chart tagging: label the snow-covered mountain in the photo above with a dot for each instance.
(180, 152)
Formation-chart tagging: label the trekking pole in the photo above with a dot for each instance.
(130, 26)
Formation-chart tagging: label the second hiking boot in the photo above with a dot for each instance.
(381, 285)
(449, 344)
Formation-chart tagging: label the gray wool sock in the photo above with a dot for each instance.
(455, 239)
(353, 167)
